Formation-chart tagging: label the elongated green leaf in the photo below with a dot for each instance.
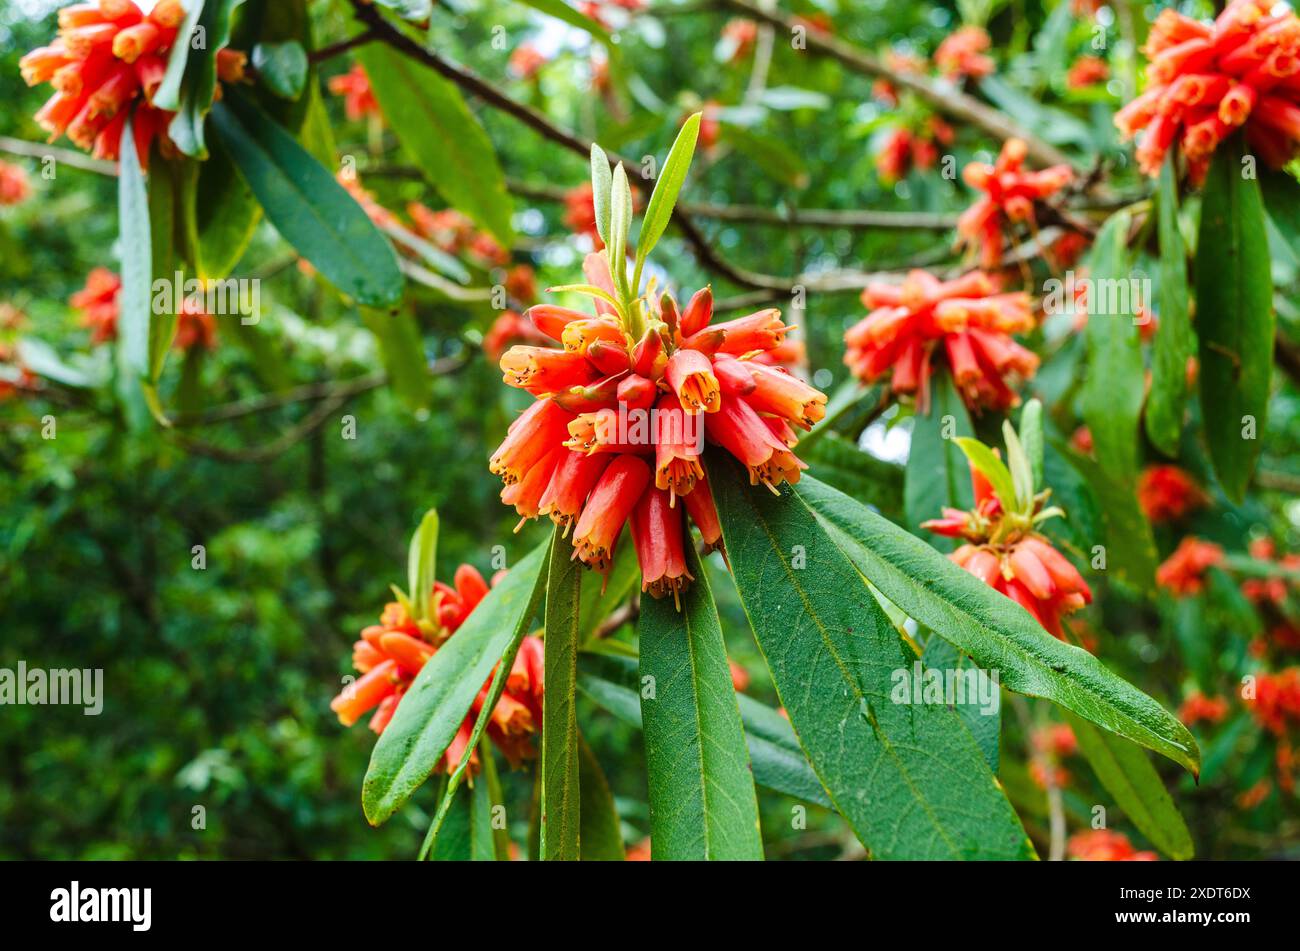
(135, 301)
(601, 836)
(1112, 402)
(702, 800)
(982, 711)
(307, 206)
(1173, 344)
(992, 468)
(561, 794)
(1281, 193)
(422, 565)
(1128, 775)
(779, 764)
(441, 135)
(602, 188)
(168, 94)
(937, 472)
(435, 705)
(858, 473)
(199, 83)
(402, 349)
(994, 631)
(162, 234)
(1234, 318)
(907, 777)
(668, 186)
(492, 839)
(283, 67)
(567, 14)
(1031, 438)
(620, 220)
(455, 842)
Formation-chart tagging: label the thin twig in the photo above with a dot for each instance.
(338, 49)
(40, 150)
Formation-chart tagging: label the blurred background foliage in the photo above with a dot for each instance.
(218, 680)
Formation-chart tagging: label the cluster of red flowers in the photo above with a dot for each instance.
(451, 231)
(905, 149)
(392, 652)
(1183, 572)
(358, 98)
(1013, 559)
(526, 61)
(738, 39)
(108, 55)
(963, 53)
(1010, 192)
(1167, 493)
(98, 303)
(1087, 71)
(14, 186)
(1102, 845)
(1269, 590)
(1276, 706)
(589, 453)
(1207, 80)
(967, 317)
(1051, 745)
(1198, 708)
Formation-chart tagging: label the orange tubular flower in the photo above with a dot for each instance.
(963, 54)
(97, 302)
(1010, 193)
(1206, 80)
(1183, 572)
(1277, 700)
(619, 424)
(966, 318)
(14, 186)
(390, 654)
(108, 55)
(358, 99)
(1167, 493)
(1087, 71)
(1103, 845)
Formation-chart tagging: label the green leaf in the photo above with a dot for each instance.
(487, 844)
(992, 468)
(282, 67)
(402, 349)
(994, 631)
(565, 13)
(443, 138)
(1127, 774)
(422, 566)
(167, 95)
(908, 778)
(937, 473)
(602, 189)
(307, 206)
(1282, 203)
(1112, 402)
(435, 705)
(561, 793)
(1031, 440)
(601, 836)
(1022, 474)
(702, 800)
(409, 9)
(772, 156)
(599, 600)
(858, 473)
(162, 233)
(455, 842)
(667, 187)
(985, 725)
(1234, 318)
(1173, 343)
(620, 220)
(199, 84)
(135, 300)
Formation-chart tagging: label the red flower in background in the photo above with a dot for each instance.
(905, 149)
(1183, 572)
(195, 327)
(897, 61)
(580, 213)
(106, 56)
(965, 317)
(392, 652)
(526, 61)
(1206, 80)
(1167, 493)
(358, 98)
(97, 302)
(1103, 845)
(739, 34)
(1198, 708)
(1010, 192)
(511, 328)
(448, 229)
(1269, 591)
(589, 456)
(962, 54)
(14, 186)
(1013, 559)
(1087, 71)
(1276, 704)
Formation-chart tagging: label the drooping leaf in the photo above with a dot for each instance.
(601, 836)
(937, 472)
(1234, 318)
(442, 136)
(402, 350)
(994, 631)
(435, 705)
(199, 83)
(135, 300)
(422, 565)
(307, 206)
(1128, 775)
(167, 95)
(561, 794)
(702, 800)
(162, 232)
(1173, 344)
(908, 778)
(283, 67)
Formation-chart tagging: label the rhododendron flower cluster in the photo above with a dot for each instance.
(965, 319)
(14, 186)
(1167, 493)
(591, 456)
(108, 55)
(1206, 80)
(1002, 548)
(1010, 192)
(390, 654)
(1103, 845)
(905, 149)
(1183, 572)
(358, 98)
(964, 53)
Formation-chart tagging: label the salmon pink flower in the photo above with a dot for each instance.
(391, 653)
(965, 320)
(1205, 80)
(1010, 195)
(1167, 493)
(962, 54)
(580, 213)
(1198, 708)
(14, 186)
(1103, 845)
(97, 302)
(509, 328)
(1183, 572)
(1087, 71)
(358, 98)
(526, 61)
